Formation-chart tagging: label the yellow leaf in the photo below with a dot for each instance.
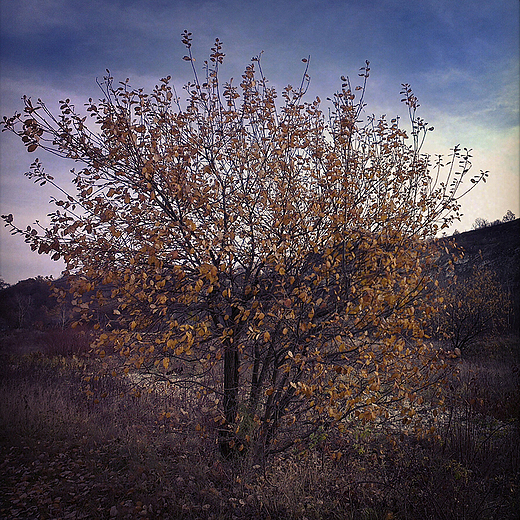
(166, 362)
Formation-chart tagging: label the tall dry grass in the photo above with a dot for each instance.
(107, 456)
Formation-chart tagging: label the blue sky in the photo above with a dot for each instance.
(461, 58)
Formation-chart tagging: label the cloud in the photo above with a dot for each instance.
(489, 98)
(461, 59)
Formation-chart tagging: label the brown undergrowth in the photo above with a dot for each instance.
(66, 455)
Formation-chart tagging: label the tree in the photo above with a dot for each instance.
(24, 306)
(472, 307)
(480, 223)
(280, 256)
(509, 216)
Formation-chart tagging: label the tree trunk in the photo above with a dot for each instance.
(231, 382)
(255, 382)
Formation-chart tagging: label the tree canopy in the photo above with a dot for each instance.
(278, 257)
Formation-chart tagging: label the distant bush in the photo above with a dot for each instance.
(483, 223)
(472, 307)
(480, 223)
(66, 342)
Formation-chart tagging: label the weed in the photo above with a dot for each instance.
(67, 455)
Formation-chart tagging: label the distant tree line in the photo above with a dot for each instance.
(483, 223)
(27, 304)
(44, 303)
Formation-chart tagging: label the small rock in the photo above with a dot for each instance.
(113, 511)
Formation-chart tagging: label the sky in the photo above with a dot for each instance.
(461, 58)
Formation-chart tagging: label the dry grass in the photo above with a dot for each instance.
(67, 456)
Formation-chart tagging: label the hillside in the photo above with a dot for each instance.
(29, 303)
(68, 454)
(496, 247)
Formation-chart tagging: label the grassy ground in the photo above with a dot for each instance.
(66, 456)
